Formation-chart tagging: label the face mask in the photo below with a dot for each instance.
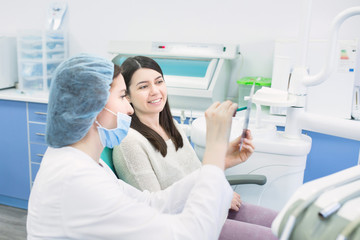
(113, 137)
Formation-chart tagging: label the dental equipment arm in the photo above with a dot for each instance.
(300, 79)
(331, 59)
(297, 119)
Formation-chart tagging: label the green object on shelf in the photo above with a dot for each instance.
(265, 82)
(245, 85)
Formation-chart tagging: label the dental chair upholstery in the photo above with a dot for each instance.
(106, 156)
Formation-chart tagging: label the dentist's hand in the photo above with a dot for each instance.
(218, 123)
(234, 156)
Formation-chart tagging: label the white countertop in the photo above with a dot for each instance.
(18, 95)
(42, 97)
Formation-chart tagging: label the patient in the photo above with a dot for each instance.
(156, 152)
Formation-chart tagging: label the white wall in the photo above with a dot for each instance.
(254, 24)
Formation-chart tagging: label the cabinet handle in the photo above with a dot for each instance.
(41, 113)
(40, 134)
(39, 154)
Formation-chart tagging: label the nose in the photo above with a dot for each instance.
(154, 89)
(129, 108)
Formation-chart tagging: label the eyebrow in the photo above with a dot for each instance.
(123, 91)
(148, 80)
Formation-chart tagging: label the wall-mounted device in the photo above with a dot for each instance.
(8, 62)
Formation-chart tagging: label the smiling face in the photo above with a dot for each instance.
(147, 92)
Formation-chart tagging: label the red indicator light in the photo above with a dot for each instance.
(161, 47)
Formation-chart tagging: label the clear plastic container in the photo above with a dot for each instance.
(31, 69)
(245, 85)
(39, 53)
(33, 83)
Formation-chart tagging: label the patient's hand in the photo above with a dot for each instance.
(234, 156)
(236, 202)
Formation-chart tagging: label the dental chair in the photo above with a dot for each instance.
(325, 208)
(233, 180)
(106, 156)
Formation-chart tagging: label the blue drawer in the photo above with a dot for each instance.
(37, 133)
(37, 152)
(34, 170)
(37, 112)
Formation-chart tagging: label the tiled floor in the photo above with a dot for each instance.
(12, 223)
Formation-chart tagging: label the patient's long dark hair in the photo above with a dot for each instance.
(128, 68)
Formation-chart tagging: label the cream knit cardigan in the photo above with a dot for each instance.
(138, 163)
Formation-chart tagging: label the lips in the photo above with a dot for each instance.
(155, 101)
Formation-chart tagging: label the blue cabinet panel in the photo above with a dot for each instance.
(34, 170)
(37, 152)
(37, 112)
(14, 160)
(37, 133)
(329, 154)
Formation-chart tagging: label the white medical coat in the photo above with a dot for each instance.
(73, 197)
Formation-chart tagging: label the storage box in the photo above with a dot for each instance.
(39, 53)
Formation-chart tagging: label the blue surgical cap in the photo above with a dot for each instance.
(79, 91)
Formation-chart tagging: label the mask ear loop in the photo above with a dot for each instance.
(110, 111)
(97, 123)
(116, 115)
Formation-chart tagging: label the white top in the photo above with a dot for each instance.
(74, 197)
(138, 163)
(30, 96)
